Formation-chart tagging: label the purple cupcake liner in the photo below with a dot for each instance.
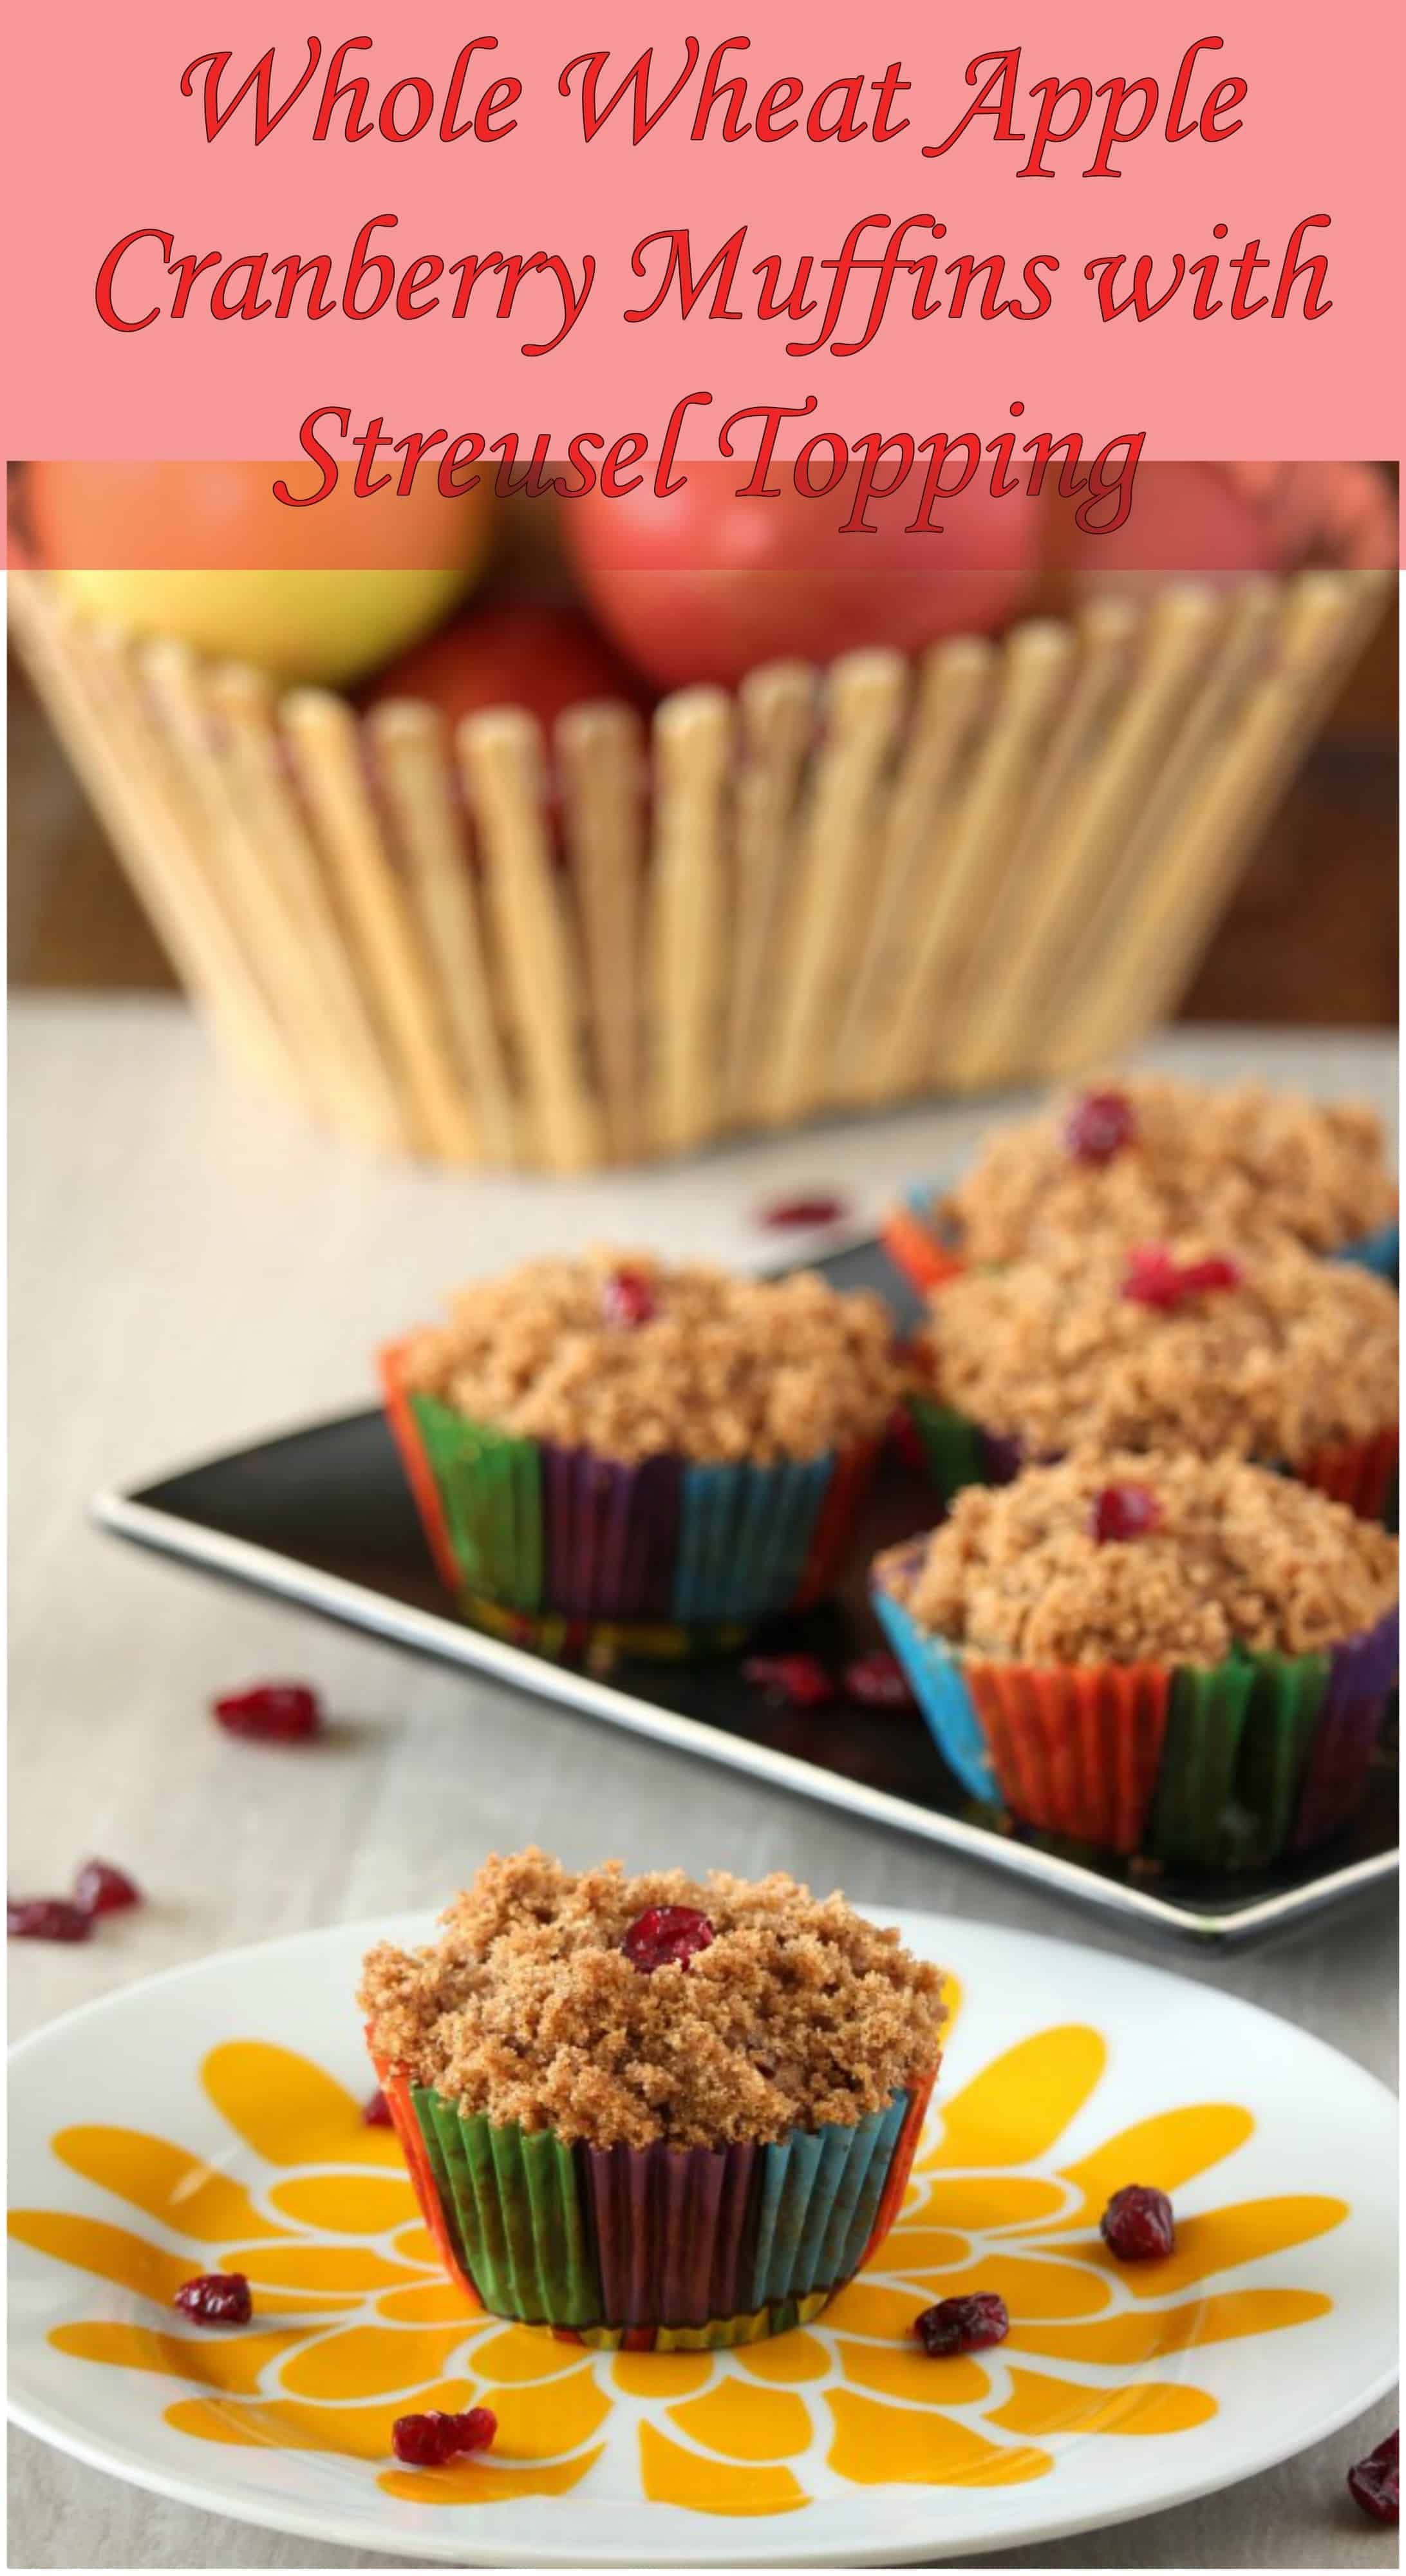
(1361, 1674)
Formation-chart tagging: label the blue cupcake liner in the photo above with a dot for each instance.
(1380, 1251)
(939, 1686)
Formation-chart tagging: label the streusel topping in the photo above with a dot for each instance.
(1230, 1555)
(1297, 1356)
(798, 2012)
(717, 1368)
(1246, 1162)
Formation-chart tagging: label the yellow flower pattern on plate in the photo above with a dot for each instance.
(354, 2323)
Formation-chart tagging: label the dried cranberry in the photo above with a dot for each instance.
(1199, 1277)
(217, 2299)
(793, 1681)
(1374, 2483)
(45, 1918)
(963, 2325)
(628, 1298)
(376, 2111)
(428, 2441)
(1138, 2224)
(802, 1212)
(1099, 1126)
(1123, 1511)
(666, 1936)
(1155, 1279)
(101, 1889)
(274, 1712)
(878, 1680)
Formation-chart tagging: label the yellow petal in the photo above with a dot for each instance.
(877, 2445)
(1029, 2286)
(168, 2184)
(789, 2359)
(865, 2308)
(521, 2353)
(429, 2303)
(543, 2423)
(978, 2203)
(1015, 2109)
(661, 2374)
(414, 2244)
(922, 2249)
(1145, 2337)
(1042, 2405)
(289, 2111)
(1222, 2240)
(347, 2270)
(1166, 2151)
(746, 2423)
(371, 2361)
(672, 2475)
(475, 2481)
(906, 2371)
(363, 2204)
(228, 2361)
(350, 2432)
(109, 2252)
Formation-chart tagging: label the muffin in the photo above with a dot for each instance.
(611, 1451)
(1180, 1345)
(1183, 1658)
(649, 2111)
(1147, 1157)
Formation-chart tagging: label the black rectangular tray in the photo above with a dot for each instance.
(322, 1517)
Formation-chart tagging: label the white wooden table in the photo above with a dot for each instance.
(192, 1268)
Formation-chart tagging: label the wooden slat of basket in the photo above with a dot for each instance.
(322, 735)
(246, 878)
(89, 703)
(1154, 944)
(776, 723)
(1034, 668)
(263, 795)
(688, 899)
(953, 687)
(501, 760)
(601, 759)
(1059, 885)
(987, 1014)
(826, 902)
(1227, 668)
(411, 748)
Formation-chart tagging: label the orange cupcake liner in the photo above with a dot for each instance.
(1076, 1751)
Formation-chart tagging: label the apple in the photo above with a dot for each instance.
(204, 551)
(704, 586)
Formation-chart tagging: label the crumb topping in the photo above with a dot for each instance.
(1246, 1162)
(1235, 1556)
(718, 1369)
(1295, 1356)
(798, 2012)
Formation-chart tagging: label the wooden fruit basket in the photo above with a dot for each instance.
(832, 890)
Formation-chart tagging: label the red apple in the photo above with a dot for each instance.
(542, 655)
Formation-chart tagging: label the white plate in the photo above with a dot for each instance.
(1068, 2074)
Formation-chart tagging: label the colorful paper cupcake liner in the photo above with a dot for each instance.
(1380, 1251)
(653, 2246)
(663, 1556)
(955, 1451)
(1220, 1768)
